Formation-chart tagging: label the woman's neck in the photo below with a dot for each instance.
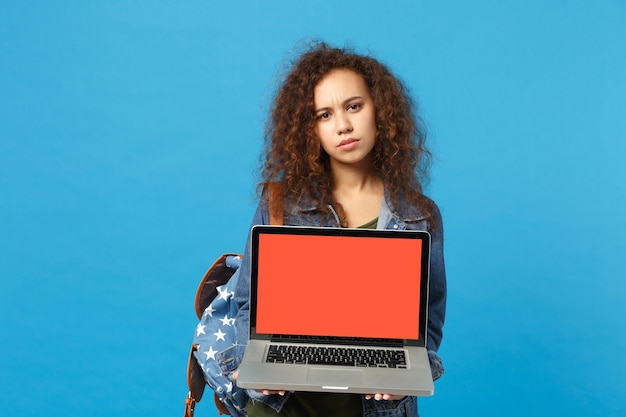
(354, 178)
(360, 193)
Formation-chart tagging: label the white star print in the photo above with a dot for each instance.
(209, 310)
(210, 354)
(229, 387)
(200, 330)
(219, 335)
(226, 321)
(224, 294)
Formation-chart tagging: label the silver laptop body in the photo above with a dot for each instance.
(338, 310)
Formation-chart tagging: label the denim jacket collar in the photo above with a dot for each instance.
(389, 217)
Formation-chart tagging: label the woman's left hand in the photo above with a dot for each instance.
(387, 397)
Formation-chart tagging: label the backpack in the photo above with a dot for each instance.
(216, 310)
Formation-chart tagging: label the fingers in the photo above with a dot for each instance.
(270, 392)
(387, 397)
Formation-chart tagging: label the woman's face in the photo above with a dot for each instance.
(345, 118)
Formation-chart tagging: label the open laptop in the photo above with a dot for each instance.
(338, 310)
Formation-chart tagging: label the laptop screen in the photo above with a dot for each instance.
(339, 282)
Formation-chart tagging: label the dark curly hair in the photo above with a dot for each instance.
(293, 154)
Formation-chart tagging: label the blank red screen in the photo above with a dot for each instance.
(339, 286)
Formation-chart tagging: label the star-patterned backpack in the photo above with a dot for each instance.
(216, 311)
(215, 332)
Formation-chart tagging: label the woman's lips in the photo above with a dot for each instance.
(347, 144)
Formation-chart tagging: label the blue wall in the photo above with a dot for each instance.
(130, 132)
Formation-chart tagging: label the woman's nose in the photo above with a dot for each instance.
(343, 124)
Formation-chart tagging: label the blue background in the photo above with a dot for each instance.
(130, 132)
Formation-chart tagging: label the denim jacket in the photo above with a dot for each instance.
(404, 217)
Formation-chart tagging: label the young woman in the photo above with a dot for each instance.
(344, 142)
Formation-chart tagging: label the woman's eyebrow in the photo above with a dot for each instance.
(346, 101)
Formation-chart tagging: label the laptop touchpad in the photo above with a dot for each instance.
(335, 377)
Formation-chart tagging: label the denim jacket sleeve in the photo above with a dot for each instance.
(242, 292)
(437, 285)
(437, 294)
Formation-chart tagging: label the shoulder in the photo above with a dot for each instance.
(262, 213)
(422, 216)
(406, 210)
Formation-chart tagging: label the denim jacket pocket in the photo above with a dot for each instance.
(229, 359)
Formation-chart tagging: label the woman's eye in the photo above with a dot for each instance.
(323, 116)
(355, 106)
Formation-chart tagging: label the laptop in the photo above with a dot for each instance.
(338, 310)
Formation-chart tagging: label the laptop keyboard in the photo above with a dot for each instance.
(330, 355)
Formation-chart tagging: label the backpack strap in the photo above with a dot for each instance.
(277, 203)
(195, 382)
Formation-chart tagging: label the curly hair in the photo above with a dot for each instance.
(293, 154)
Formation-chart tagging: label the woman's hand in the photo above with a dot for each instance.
(270, 392)
(387, 397)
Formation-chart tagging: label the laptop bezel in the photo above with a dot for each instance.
(331, 231)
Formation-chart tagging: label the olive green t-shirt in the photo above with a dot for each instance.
(370, 225)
